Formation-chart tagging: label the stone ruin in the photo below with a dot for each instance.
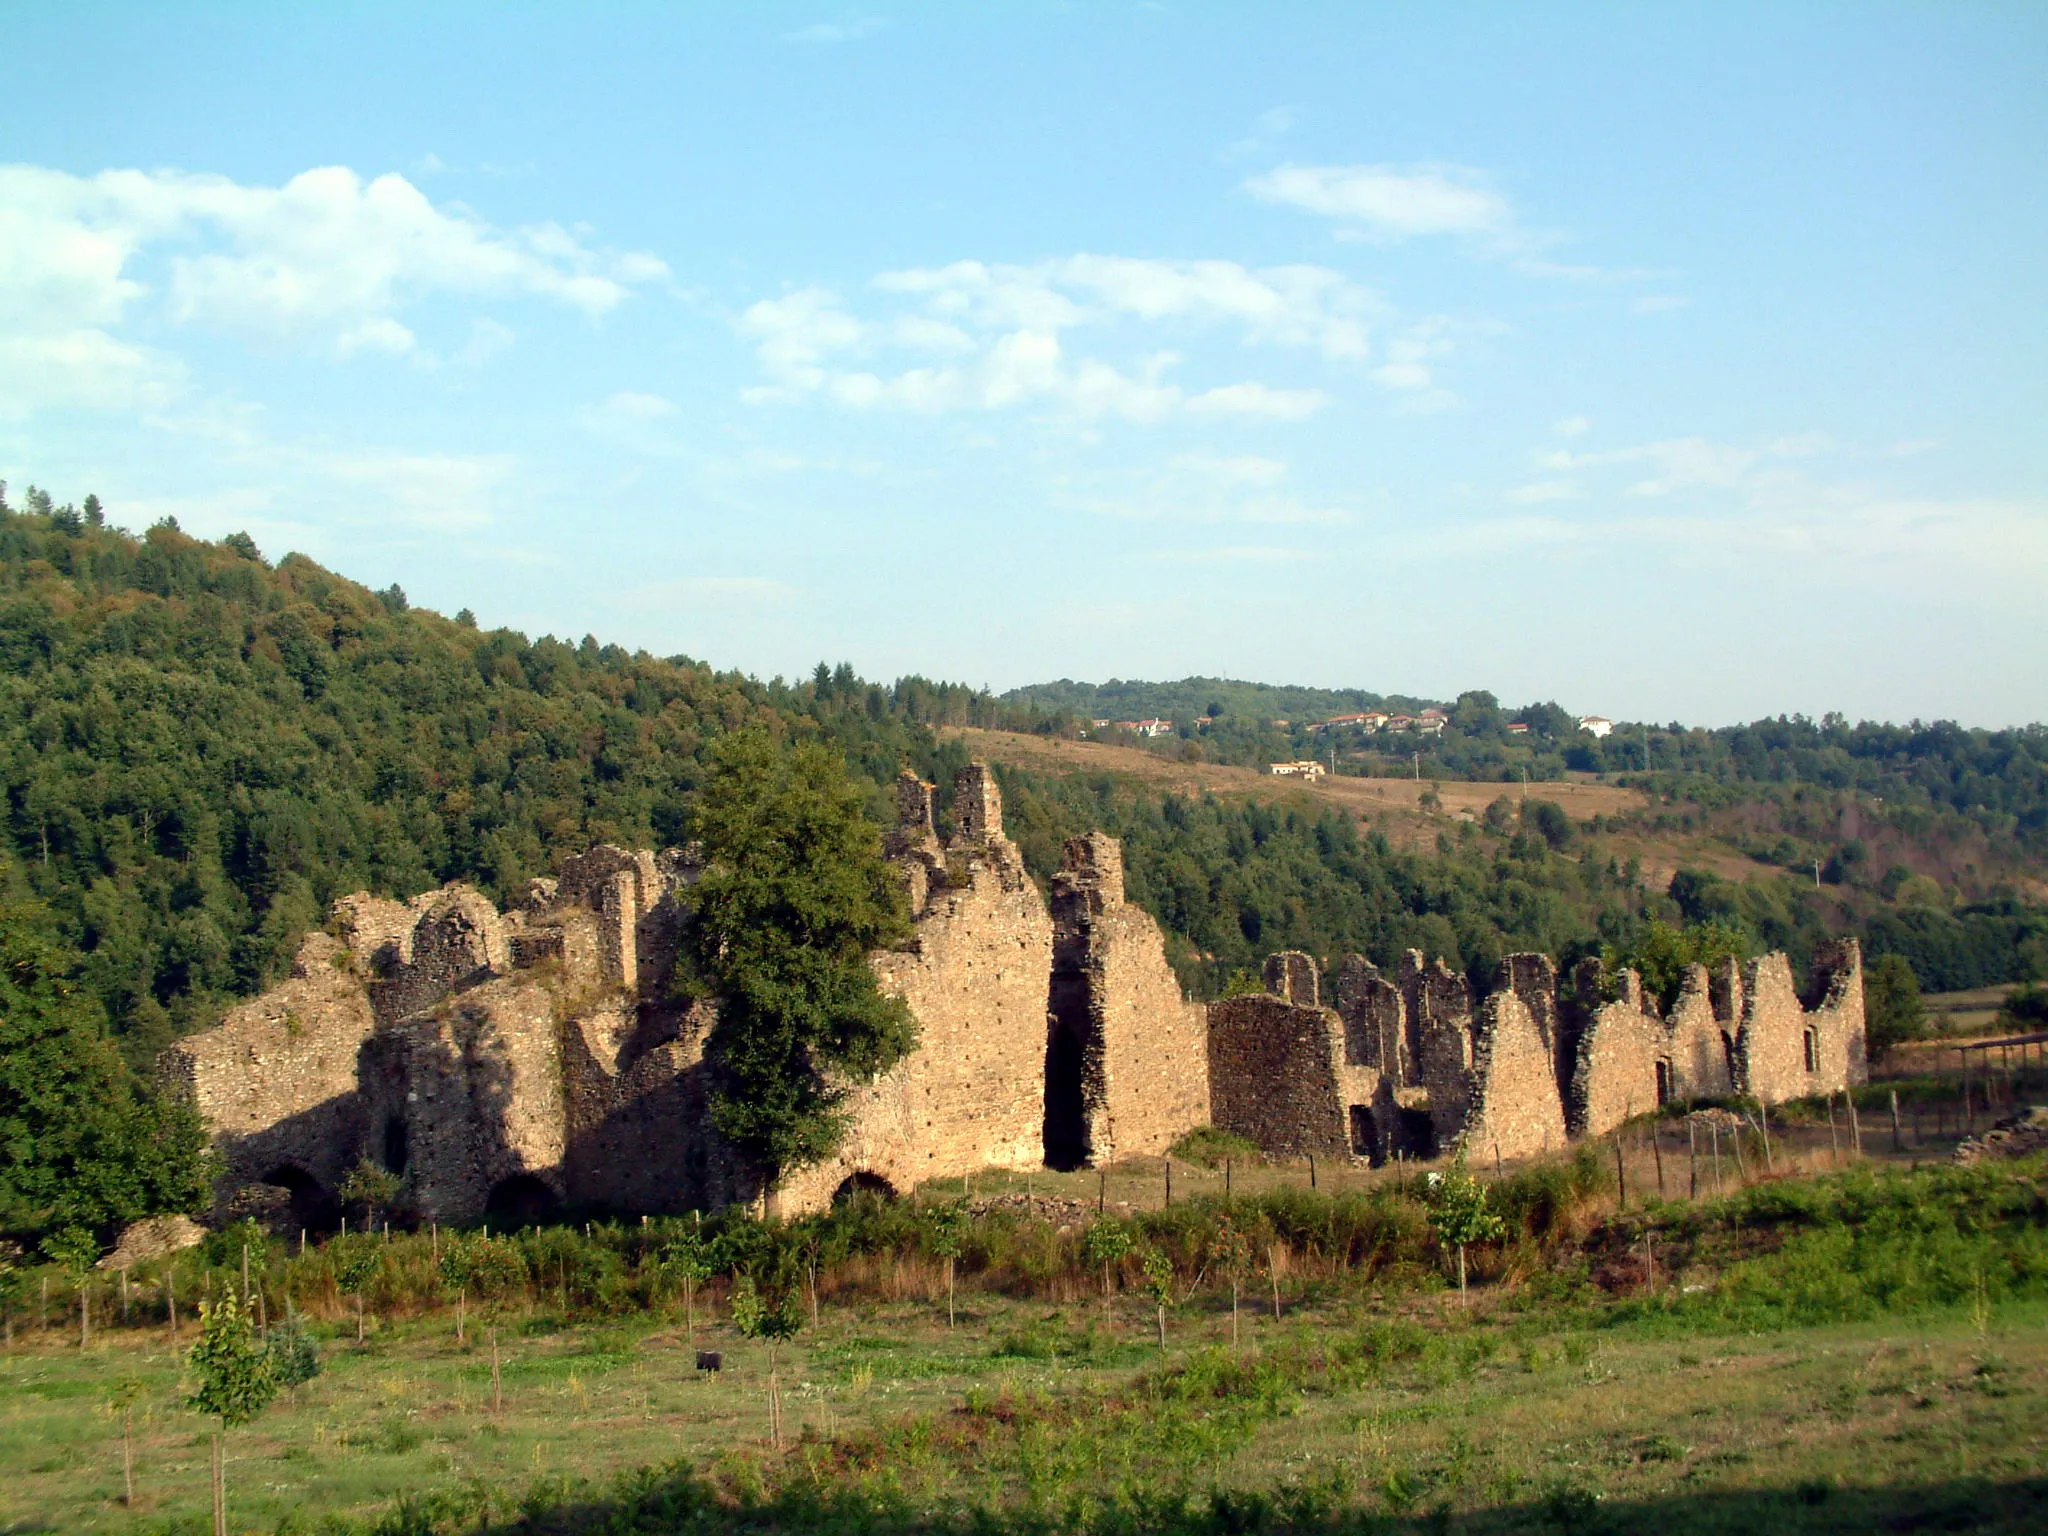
(504, 1063)
(1411, 1066)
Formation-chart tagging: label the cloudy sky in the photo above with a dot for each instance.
(1674, 362)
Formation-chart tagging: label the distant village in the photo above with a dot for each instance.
(1429, 722)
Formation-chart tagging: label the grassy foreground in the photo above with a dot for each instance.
(1853, 1352)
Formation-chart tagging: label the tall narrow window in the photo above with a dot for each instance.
(1663, 1082)
(1812, 1052)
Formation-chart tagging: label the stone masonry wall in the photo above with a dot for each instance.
(1143, 1046)
(1514, 1109)
(276, 1080)
(972, 1095)
(1274, 1075)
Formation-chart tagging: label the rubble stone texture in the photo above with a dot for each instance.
(502, 1063)
(1535, 1064)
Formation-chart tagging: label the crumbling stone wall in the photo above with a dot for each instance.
(1699, 1036)
(1375, 1020)
(1274, 1075)
(1127, 1068)
(1512, 1105)
(276, 1080)
(1538, 1063)
(1291, 977)
(972, 1095)
(1783, 1051)
(1616, 1076)
(468, 1094)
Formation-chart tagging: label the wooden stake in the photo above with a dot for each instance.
(1657, 1151)
(1834, 1146)
(1620, 1173)
(1897, 1144)
(1855, 1123)
(497, 1381)
(1311, 1170)
(1692, 1159)
(1169, 1181)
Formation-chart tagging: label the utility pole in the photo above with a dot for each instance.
(1418, 766)
(1816, 874)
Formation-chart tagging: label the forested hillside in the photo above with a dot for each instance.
(201, 750)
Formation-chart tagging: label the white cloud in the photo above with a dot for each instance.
(1739, 504)
(1002, 332)
(1391, 202)
(1573, 426)
(1658, 303)
(327, 257)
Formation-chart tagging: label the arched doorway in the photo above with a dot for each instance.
(521, 1199)
(314, 1207)
(863, 1185)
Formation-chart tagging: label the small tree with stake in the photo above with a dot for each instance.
(237, 1380)
(1159, 1281)
(371, 1189)
(1107, 1243)
(1458, 1212)
(772, 1318)
(77, 1250)
(683, 1258)
(1231, 1251)
(458, 1269)
(355, 1261)
(949, 1228)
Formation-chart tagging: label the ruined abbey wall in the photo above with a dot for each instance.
(276, 1080)
(972, 1095)
(1274, 1075)
(533, 1055)
(1127, 1062)
(1536, 1062)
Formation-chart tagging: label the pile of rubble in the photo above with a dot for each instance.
(2015, 1136)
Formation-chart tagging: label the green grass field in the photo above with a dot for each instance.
(1837, 1351)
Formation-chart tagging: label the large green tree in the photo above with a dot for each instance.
(794, 896)
(83, 1144)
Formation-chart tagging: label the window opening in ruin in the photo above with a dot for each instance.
(855, 1185)
(313, 1206)
(397, 1147)
(1663, 1082)
(1415, 1134)
(1066, 1127)
(520, 1199)
(1365, 1133)
(1812, 1052)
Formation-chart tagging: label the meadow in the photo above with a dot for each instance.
(1828, 1343)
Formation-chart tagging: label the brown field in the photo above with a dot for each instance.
(1392, 806)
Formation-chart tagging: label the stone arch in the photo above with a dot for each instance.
(862, 1182)
(520, 1199)
(314, 1206)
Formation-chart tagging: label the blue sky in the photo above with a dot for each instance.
(1681, 362)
